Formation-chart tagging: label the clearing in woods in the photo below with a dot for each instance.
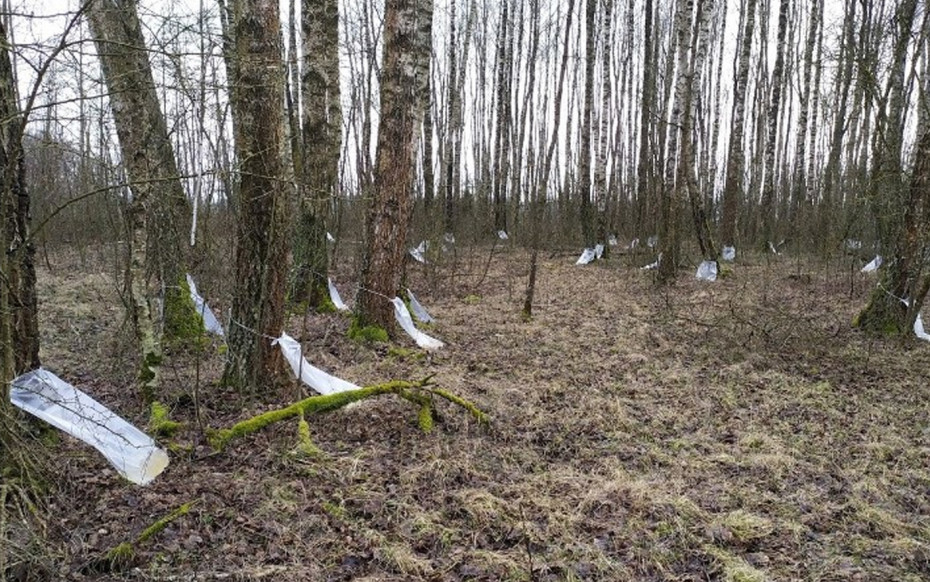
(739, 430)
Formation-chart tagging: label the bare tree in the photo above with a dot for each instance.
(158, 213)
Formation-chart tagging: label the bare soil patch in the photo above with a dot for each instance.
(739, 430)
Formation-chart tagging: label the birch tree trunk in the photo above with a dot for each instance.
(584, 147)
(403, 80)
(257, 99)
(767, 204)
(736, 157)
(322, 139)
(672, 204)
(158, 215)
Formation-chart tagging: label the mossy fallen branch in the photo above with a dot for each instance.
(122, 555)
(418, 393)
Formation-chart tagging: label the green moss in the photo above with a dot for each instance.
(121, 556)
(367, 333)
(425, 418)
(473, 299)
(405, 354)
(183, 324)
(305, 444)
(419, 393)
(159, 423)
(326, 305)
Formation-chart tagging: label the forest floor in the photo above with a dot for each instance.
(738, 430)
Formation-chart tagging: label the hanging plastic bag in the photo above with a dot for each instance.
(502, 234)
(598, 251)
(334, 296)
(919, 329)
(406, 322)
(419, 252)
(210, 322)
(873, 265)
(707, 271)
(303, 371)
(729, 253)
(586, 257)
(131, 452)
(418, 310)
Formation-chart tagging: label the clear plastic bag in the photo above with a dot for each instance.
(418, 310)
(131, 452)
(707, 271)
(873, 265)
(586, 257)
(210, 322)
(406, 322)
(334, 296)
(313, 377)
(729, 253)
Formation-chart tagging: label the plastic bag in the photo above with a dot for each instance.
(210, 322)
(418, 252)
(873, 265)
(773, 249)
(418, 310)
(598, 251)
(653, 241)
(654, 265)
(131, 452)
(449, 238)
(303, 371)
(502, 234)
(612, 241)
(330, 237)
(586, 257)
(633, 243)
(707, 271)
(406, 322)
(853, 244)
(335, 298)
(729, 253)
(919, 329)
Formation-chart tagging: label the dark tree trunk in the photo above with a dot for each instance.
(257, 98)
(403, 79)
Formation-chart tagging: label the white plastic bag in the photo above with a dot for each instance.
(418, 310)
(133, 453)
(598, 251)
(335, 297)
(919, 329)
(612, 241)
(853, 244)
(210, 322)
(449, 238)
(653, 241)
(873, 265)
(586, 257)
(773, 249)
(418, 252)
(330, 238)
(707, 271)
(654, 265)
(502, 234)
(406, 322)
(633, 243)
(303, 371)
(729, 253)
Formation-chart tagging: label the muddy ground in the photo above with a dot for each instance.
(739, 430)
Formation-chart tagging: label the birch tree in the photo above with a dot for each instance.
(257, 99)
(322, 136)
(158, 214)
(403, 80)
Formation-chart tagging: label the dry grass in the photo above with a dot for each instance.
(731, 431)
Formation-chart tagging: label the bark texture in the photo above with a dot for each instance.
(322, 138)
(403, 80)
(257, 97)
